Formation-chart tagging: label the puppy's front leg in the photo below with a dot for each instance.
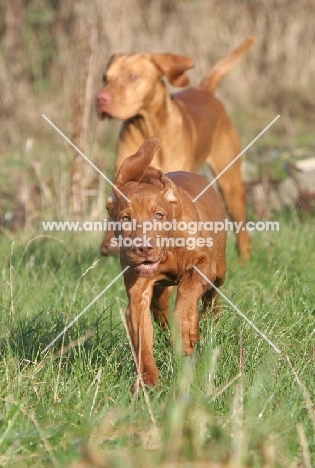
(138, 316)
(190, 289)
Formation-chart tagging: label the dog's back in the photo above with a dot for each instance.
(209, 207)
(210, 204)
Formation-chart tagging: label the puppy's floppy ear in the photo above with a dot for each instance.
(168, 188)
(173, 67)
(111, 203)
(170, 192)
(153, 176)
(134, 167)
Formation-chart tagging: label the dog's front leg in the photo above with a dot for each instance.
(138, 316)
(190, 289)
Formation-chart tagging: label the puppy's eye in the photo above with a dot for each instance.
(126, 218)
(133, 76)
(105, 80)
(158, 215)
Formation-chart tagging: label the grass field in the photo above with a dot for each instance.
(235, 399)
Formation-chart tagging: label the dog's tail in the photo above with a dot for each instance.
(220, 69)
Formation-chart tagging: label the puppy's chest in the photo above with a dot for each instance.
(173, 274)
(169, 279)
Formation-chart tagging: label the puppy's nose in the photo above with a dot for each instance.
(103, 97)
(144, 249)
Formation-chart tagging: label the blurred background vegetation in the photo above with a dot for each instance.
(52, 54)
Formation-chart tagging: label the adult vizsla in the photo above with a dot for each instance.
(192, 125)
(151, 210)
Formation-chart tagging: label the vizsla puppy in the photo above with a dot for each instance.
(160, 253)
(192, 125)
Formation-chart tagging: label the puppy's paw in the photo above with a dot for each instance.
(149, 380)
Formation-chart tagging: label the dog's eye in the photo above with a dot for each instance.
(133, 76)
(158, 215)
(126, 219)
(105, 80)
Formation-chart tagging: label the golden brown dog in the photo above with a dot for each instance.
(160, 252)
(192, 125)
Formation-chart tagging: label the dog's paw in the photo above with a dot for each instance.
(190, 343)
(149, 380)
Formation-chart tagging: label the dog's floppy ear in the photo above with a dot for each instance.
(173, 67)
(111, 203)
(170, 192)
(134, 167)
(153, 176)
(112, 58)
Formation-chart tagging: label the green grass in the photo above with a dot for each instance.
(235, 398)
